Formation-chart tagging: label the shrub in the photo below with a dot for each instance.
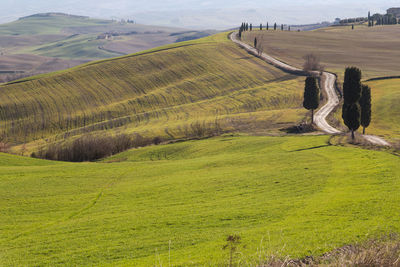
(90, 147)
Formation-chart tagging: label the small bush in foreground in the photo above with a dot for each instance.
(371, 253)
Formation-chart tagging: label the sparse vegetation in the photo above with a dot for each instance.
(374, 252)
(312, 63)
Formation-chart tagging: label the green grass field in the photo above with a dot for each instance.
(190, 196)
(159, 92)
(385, 109)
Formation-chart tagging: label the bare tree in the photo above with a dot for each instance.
(312, 63)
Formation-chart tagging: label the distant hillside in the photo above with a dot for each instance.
(41, 38)
(170, 92)
(53, 14)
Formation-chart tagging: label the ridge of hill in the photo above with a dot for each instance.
(161, 92)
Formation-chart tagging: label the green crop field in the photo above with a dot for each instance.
(159, 92)
(177, 203)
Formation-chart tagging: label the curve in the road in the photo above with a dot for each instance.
(328, 85)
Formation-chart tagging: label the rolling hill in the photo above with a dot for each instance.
(176, 204)
(41, 38)
(163, 92)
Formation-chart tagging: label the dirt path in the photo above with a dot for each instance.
(328, 86)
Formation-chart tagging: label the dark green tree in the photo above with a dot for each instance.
(260, 26)
(267, 26)
(352, 117)
(251, 27)
(352, 26)
(255, 42)
(352, 85)
(275, 26)
(311, 95)
(365, 104)
(351, 112)
(281, 27)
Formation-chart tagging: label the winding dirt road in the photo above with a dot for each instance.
(328, 86)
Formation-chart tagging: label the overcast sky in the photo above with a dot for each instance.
(217, 14)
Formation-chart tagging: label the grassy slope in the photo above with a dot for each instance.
(374, 50)
(156, 92)
(194, 194)
(385, 108)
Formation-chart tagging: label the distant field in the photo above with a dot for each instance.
(161, 92)
(76, 39)
(374, 50)
(192, 195)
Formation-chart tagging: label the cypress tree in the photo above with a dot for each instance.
(365, 104)
(352, 26)
(311, 95)
(351, 112)
(260, 26)
(255, 42)
(275, 26)
(267, 26)
(251, 27)
(281, 27)
(352, 117)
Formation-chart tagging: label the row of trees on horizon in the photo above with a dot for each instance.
(245, 26)
(375, 19)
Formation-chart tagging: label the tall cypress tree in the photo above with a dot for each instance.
(311, 95)
(251, 27)
(365, 104)
(351, 112)
(281, 27)
(267, 26)
(260, 26)
(255, 42)
(275, 26)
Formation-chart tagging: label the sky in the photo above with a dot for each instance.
(200, 14)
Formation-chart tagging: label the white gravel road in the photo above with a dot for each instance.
(328, 86)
